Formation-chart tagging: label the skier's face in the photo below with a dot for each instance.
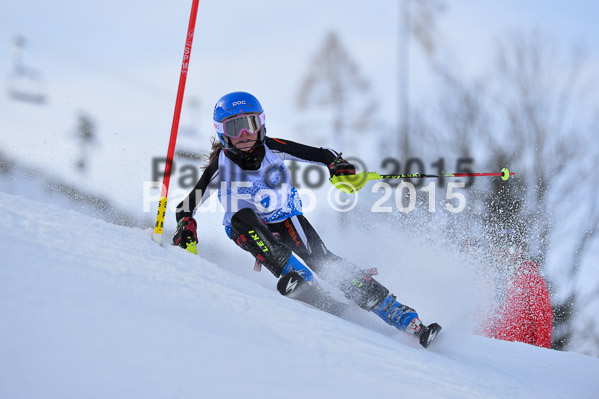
(245, 141)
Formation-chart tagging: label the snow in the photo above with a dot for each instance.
(91, 309)
(128, 89)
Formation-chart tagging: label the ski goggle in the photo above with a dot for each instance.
(234, 127)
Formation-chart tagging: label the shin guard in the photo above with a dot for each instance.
(253, 235)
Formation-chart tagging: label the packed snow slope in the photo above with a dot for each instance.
(94, 310)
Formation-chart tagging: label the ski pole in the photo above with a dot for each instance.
(353, 183)
(157, 236)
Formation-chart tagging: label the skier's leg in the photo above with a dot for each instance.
(296, 280)
(254, 236)
(357, 284)
(396, 314)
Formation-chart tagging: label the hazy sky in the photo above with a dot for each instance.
(119, 62)
(264, 46)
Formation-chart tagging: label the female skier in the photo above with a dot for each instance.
(263, 211)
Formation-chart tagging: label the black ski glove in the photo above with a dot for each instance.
(340, 167)
(186, 233)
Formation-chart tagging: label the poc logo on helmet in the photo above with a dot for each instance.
(238, 102)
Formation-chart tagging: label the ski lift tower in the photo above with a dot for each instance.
(24, 83)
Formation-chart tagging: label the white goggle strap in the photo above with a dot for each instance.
(220, 127)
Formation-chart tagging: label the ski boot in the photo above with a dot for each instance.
(298, 282)
(294, 265)
(404, 318)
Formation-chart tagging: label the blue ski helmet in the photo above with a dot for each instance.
(232, 104)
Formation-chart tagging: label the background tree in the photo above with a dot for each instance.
(334, 83)
(527, 114)
(85, 134)
(418, 20)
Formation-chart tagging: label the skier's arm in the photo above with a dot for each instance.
(195, 198)
(292, 151)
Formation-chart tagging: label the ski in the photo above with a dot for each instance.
(429, 333)
(292, 285)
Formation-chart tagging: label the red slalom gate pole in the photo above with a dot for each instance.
(157, 236)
